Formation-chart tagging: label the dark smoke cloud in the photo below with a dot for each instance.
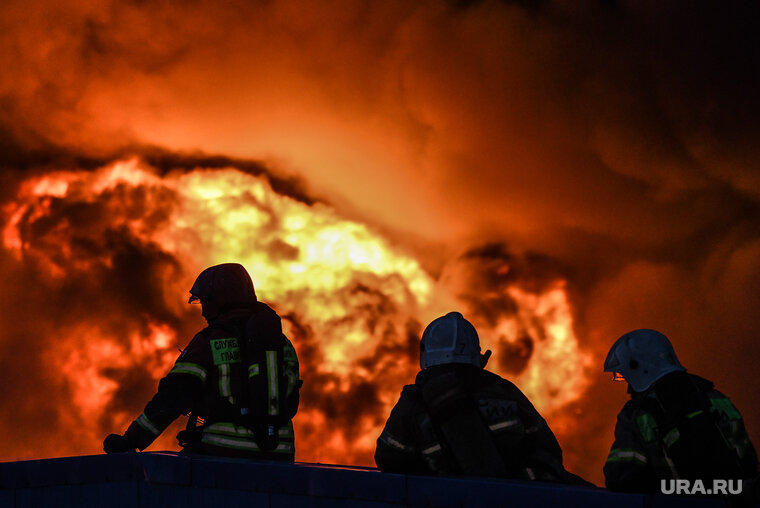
(616, 138)
(288, 185)
(481, 278)
(111, 285)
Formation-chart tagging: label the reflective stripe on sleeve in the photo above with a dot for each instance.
(189, 368)
(672, 467)
(626, 455)
(432, 449)
(671, 437)
(391, 441)
(148, 425)
(504, 425)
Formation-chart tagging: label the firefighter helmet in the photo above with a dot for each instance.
(221, 287)
(642, 357)
(450, 339)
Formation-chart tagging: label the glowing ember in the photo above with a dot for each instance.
(354, 304)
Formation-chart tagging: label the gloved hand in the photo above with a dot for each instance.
(116, 443)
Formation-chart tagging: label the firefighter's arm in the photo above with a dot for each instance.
(627, 468)
(543, 455)
(396, 451)
(529, 445)
(732, 426)
(176, 394)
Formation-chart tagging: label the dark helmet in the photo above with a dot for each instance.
(222, 287)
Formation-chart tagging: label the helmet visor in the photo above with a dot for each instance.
(617, 376)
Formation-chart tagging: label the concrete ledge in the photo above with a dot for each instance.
(167, 479)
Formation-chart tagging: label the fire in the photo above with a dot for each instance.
(551, 376)
(353, 303)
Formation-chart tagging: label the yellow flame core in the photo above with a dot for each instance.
(351, 287)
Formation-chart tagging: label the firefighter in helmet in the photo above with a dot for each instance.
(676, 425)
(458, 418)
(224, 381)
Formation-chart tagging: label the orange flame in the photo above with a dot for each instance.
(354, 303)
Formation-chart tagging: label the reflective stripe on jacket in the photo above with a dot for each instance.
(232, 437)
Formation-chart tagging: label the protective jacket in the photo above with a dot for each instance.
(461, 419)
(683, 428)
(208, 380)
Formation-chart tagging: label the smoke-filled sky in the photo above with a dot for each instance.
(610, 145)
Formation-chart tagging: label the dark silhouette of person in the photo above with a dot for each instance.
(460, 419)
(676, 425)
(232, 395)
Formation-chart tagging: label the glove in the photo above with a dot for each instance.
(116, 443)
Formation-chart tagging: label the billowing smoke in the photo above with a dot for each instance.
(597, 161)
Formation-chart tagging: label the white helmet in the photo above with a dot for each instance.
(450, 339)
(642, 357)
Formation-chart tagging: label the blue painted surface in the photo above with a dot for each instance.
(166, 479)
